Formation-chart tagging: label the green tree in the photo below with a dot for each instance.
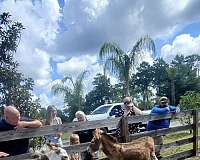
(62, 115)
(175, 79)
(143, 81)
(160, 76)
(120, 63)
(186, 78)
(117, 92)
(190, 100)
(96, 97)
(14, 87)
(73, 96)
(171, 71)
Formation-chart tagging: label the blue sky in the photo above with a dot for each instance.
(63, 37)
(192, 29)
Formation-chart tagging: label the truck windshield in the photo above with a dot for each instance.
(101, 110)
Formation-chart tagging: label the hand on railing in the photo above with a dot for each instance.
(3, 154)
(178, 109)
(21, 124)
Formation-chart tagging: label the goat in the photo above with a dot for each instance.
(50, 152)
(139, 149)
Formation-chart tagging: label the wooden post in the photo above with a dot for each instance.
(124, 129)
(195, 132)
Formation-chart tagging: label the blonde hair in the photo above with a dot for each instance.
(74, 139)
(49, 117)
(80, 113)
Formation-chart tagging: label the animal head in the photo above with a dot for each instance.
(50, 152)
(96, 141)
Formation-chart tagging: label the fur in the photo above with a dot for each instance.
(50, 152)
(139, 149)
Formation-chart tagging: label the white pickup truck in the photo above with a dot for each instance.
(107, 111)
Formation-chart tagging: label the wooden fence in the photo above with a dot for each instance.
(125, 136)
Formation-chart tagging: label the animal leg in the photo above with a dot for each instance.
(153, 157)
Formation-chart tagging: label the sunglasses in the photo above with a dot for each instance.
(126, 103)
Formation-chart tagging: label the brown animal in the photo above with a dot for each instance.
(139, 149)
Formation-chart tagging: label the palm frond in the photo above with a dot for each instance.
(68, 78)
(109, 49)
(144, 43)
(112, 65)
(60, 88)
(81, 76)
(112, 55)
(78, 89)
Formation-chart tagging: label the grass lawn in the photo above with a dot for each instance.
(174, 137)
(65, 136)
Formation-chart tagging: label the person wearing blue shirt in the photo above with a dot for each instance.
(162, 108)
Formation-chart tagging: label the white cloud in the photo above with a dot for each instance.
(175, 8)
(183, 44)
(46, 96)
(40, 19)
(34, 63)
(94, 8)
(88, 24)
(120, 21)
(76, 65)
(45, 101)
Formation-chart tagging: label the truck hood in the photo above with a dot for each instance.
(95, 117)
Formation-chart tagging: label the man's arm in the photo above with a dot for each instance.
(3, 154)
(29, 124)
(172, 108)
(137, 111)
(160, 110)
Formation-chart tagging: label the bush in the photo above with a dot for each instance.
(190, 100)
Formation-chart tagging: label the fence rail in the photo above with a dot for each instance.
(125, 136)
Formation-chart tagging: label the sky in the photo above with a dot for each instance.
(63, 37)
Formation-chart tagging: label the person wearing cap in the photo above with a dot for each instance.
(129, 109)
(162, 108)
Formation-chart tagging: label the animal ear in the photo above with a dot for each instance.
(65, 158)
(56, 145)
(101, 131)
(57, 151)
(95, 131)
(98, 130)
(50, 145)
(44, 157)
(34, 156)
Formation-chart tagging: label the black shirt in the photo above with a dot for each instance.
(13, 147)
(133, 128)
(85, 135)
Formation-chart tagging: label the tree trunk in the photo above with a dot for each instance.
(126, 89)
(144, 99)
(173, 91)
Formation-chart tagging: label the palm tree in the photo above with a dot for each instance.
(121, 63)
(73, 94)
